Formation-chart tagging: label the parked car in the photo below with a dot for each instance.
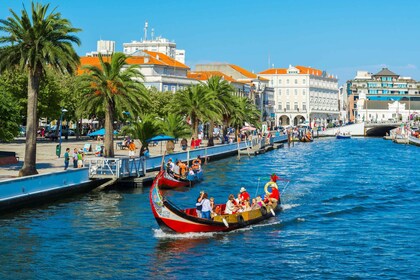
(22, 131)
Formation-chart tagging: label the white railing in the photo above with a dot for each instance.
(114, 167)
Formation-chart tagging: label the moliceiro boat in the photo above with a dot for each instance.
(169, 181)
(172, 219)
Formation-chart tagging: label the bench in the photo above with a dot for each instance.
(120, 145)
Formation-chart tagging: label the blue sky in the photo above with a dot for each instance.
(340, 37)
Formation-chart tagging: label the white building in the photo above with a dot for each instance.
(158, 44)
(103, 47)
(303, 95)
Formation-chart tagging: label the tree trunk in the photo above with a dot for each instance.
(29, 164)
(109, 130)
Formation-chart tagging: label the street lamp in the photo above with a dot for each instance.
(58, 150)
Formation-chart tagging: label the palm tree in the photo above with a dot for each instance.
(224, 93)
(174, 125)
(245, 111)
(35, 42)
(198, 104)
(145, 128)
(114, 88)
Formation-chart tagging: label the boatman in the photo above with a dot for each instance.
(244, 195)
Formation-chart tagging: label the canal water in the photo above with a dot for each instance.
(351, 211)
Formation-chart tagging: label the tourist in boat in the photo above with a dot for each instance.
(196, 164)
(231, 205)
(243, 195)
(177, 170)
(182, 168)
(204, 202)
(274, 197)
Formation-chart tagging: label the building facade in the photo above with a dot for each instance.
(303, 95)
(158, 44)
(381, 97)
(159, 70)
(103, 47)
(254, 87)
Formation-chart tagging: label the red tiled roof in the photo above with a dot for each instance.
(205, 75)
(274, 71)
(302, 70)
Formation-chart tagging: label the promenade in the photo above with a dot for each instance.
(47, 161)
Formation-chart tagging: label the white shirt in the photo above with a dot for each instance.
(230, 207)
(205, 205)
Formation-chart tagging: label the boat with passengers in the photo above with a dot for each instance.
(178, 174)
(172, 219)
(343, 135)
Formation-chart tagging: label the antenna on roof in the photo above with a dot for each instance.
(145, 30)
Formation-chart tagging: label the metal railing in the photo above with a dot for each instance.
(135, 167)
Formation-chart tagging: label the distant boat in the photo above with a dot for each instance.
(169, 181)
(413, 140)
(343, 136)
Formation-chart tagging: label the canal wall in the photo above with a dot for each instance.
(34, 190)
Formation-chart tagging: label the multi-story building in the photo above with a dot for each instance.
(303, 95)
(158, 44)
(255, 87)
(383, 96)
(159, 70)
(103, 47)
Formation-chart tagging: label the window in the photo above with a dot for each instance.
(296, 91)
(295, 81)
(303, 92)
(279, 81)
(287, 91)
(279, 106)
(287, 81)
(165, 88)
(304, 106)
(304, 81)
(279, 92)
(288, 105)
(296, 106)
(173, 88)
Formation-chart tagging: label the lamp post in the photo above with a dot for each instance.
(58, 150)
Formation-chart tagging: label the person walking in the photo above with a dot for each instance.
(66, 158)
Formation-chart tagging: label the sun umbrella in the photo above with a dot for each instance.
(248, 128)
(100, 132)
(160, 138)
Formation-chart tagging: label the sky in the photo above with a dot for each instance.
(339, 37)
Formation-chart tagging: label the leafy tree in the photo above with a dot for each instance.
(145, 128)
(224, 94)
(174, 125)
(10, 116)
(114, 88)
(35, 42)
(161, 103)
(197, 103)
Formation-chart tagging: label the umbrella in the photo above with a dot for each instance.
(248, 128)
(100, 132)
(160, 138)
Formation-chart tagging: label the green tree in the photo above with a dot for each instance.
(174, 125)
(114, 88)
(198, 104)
(144, 128)
(245, 111)
(35, 42)
(10, 116)
(224, 94)
(161, 103)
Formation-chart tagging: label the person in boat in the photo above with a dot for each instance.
(204, 202)
(231, 205)
(274, 197)
(177, 170)
(199, 207)
(170, 167)
(243, 195)
(182, 169)
(308, 135)
(196, 164)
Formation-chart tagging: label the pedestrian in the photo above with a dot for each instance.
(75, 158)
(131, 148)
(80, 159)
(66, 158)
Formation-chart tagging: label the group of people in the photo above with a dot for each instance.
(181, 170)
(206, 207)
(77, 156)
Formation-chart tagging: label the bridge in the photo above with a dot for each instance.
(362, 129)
(125, 167)
(380, 128)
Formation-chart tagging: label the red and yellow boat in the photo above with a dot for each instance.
(172, 219)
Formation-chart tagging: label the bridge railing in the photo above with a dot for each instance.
(135, 167)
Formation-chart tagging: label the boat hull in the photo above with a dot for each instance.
(343, 136)
(169, 182)
(413, 140)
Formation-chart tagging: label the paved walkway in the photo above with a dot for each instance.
(47, 161)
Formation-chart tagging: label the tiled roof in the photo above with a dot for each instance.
(274, 71)
(244, 72)
(150, 58)
(205, 75)
(385, 72)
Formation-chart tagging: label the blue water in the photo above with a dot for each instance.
(352, 211)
